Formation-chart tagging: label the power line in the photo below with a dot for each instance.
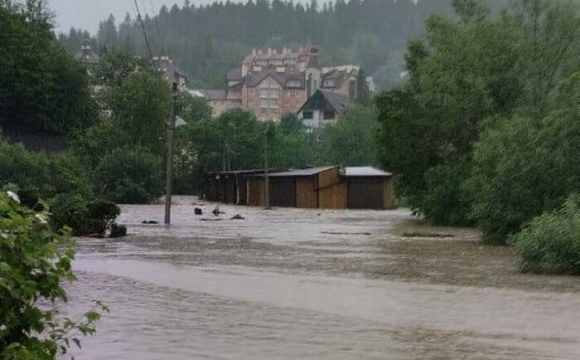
(154, 15)
(143, 29)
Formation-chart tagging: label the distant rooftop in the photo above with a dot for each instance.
(364, 171)
(210, 95)
(87, 55)
(302, 172)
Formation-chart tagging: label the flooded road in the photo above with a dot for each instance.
(310, 284)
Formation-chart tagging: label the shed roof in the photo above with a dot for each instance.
(365, 171)
(302, 172)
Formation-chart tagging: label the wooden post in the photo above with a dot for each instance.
(266, 169)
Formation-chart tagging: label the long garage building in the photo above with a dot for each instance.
(324, 188)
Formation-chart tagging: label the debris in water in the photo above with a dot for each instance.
(238, 217)
(150, 222)
(217, 211)
(198, 211)
(97, 236)
(420, 234)
(344, 233)
(118, 231)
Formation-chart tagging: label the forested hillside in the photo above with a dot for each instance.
(207, 41)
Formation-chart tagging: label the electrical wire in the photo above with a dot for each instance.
(143, 29)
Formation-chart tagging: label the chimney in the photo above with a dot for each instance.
(269, 51)
(254, 52)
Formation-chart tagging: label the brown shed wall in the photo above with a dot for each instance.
(256, 196)
(328, 178)
(306, 194)
(282, 192)
(389, 193)
(333, 197)
(365, 193)
(212, 193)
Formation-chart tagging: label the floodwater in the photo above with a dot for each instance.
(308, 284)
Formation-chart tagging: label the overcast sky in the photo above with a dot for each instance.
(86, 14)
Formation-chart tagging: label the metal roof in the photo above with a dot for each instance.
(364, 171)
(338, 102)
(302, 172)
(255, 78)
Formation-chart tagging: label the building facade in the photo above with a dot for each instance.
(322, 108)
(271, 82)
(169, 71)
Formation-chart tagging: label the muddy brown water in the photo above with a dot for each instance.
(308, 284)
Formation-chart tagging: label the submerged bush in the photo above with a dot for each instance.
(550, 243)
(84, 217)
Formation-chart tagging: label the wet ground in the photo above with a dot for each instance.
(310, 284)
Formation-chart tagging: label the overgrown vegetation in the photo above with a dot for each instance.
(550, 243)
(486, 130)
(34, 262)
(206, 41)
(42, 88)
(130, 175)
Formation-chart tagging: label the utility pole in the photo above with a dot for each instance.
(266, 167)
(169, 160)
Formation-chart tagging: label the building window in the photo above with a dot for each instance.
(268, 104)
(329, 115)
(293, 83)
(308, 115)
(269, 94)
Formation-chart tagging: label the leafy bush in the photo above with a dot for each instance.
(45, 174)
(34, 261)
(81, 215)
(130, 176)
(550, 243)
(523, 168)
(64, 174)
(19, 166)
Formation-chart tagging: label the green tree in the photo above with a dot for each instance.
(130, 175)
(34, 263)
(461, 75)
(233, 141)
(363, 93)
(42, 89)
(107, 36)
(290, 143)
(351, 141)
(140, 106)
(523, 168)
(290, 123)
